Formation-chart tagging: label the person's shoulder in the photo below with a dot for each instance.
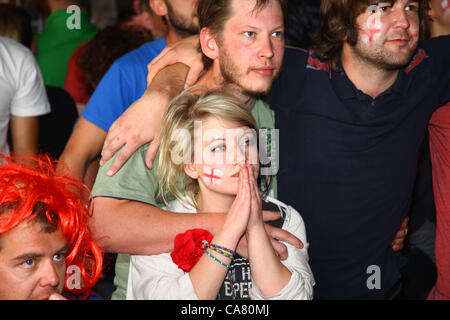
(435, 51)
(15, 54)
(12, 46)
(294, 61)
(436, 47)
(143, 54)
(441, 42)
(295, 53)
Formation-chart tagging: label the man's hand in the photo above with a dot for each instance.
(141, 122)
(138, 125)
(186, 51)
(399, 239)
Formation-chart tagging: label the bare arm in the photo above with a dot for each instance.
(25, 134)
(125, 226)
(141, 122)
(83, 146)
(186, 51)
(134, 227)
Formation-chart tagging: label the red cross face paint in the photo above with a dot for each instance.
(372, 29)
(445, 4)
(212, 176)
(440, 13)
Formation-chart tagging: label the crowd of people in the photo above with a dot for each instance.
(226, 149)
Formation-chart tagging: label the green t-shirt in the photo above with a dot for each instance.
(63, 33)
(134, 181)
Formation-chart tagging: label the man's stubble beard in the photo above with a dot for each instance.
(230, 75)
(183, 27)
(381, 58)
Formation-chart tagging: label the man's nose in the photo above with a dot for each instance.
(49, 275)
(401, 18)
(266, 47)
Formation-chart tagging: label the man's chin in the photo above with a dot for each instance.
(256, 92)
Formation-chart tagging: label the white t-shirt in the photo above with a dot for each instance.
(158, 277)
(22, 90)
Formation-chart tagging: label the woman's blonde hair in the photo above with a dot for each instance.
(177, 136)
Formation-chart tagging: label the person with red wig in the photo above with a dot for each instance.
(45, 242)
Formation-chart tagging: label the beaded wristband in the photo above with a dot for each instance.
(222, 252)
(217, 260)
(219, 249)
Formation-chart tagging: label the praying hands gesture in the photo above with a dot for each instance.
(244, 218)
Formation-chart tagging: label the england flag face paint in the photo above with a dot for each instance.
(212, 176)
(372, 29)
(445, 4)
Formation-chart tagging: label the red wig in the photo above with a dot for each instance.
(33, 188)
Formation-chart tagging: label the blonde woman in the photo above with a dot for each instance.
(209, 145)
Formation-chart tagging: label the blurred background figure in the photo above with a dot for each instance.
(60, 38)
(53, 129)
(22, 93)
(439, 25)
(22, 99)
(136, 25)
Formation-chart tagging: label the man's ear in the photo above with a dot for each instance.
(191, 171)
(159, 7)
(209, 44)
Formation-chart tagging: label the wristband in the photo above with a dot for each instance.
(217, 260)
(219, 249)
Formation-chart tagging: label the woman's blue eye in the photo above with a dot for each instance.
(249, 34)
(248, 141)
(218, 148)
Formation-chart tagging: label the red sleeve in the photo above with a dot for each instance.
(74, 84)
(439, 128)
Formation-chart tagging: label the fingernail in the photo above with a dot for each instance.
(109, 173)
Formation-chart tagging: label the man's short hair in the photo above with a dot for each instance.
(31, 191)
(338, 22)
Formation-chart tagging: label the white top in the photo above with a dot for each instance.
(22, 90)
(157, 277)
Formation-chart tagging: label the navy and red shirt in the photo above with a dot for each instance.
(348, 163)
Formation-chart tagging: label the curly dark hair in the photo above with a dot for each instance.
(338, 22)
(303, 18)
(108, 45)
